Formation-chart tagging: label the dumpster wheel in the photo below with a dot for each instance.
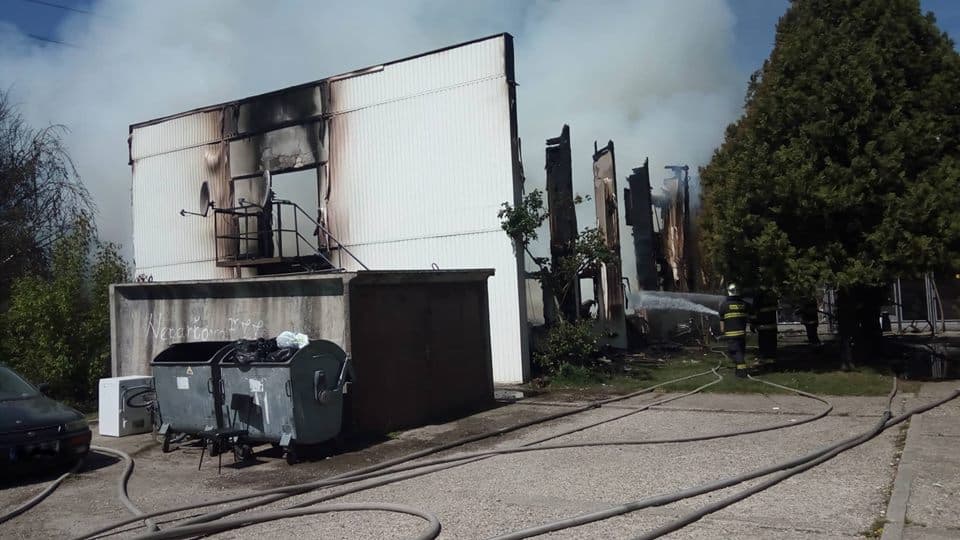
(291, 455)
(215, 448)
(243, 452)
(171, 438)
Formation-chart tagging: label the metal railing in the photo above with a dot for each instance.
(258, 243)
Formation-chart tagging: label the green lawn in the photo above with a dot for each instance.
(813, 377)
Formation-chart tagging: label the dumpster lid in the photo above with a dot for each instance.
(195, 352)
(317, 346)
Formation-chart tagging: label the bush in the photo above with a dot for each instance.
(57, 327)
(568, 344)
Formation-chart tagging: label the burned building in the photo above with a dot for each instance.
(661, 223)
(563, 216)
(673, 209)
(398, 166)
(608, 285)
(638, 214)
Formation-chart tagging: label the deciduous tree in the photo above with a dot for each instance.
(41, 195)
(57, 327)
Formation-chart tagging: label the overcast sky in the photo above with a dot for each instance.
(662, 78)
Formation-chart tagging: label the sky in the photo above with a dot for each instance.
(662, 78)
(755, 20)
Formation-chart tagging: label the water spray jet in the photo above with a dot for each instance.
(666, 301)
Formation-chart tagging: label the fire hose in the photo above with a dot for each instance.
(293, 490)
(789, 468)
(277, 494)
(214, 522)
(36, 499)
(121, 487)
(444, 463)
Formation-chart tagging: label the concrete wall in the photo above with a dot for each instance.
(146, 318)
(420, 340)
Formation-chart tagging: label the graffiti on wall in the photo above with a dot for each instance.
(195, 330)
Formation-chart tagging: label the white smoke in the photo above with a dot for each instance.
(657, 77)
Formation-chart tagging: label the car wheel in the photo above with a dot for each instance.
(82, 461)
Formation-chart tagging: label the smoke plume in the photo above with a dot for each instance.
(657, 77)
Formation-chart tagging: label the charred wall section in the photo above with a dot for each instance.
(675, 232)
(608, 285)
(278, 132)
(563, 216)
(639, 216)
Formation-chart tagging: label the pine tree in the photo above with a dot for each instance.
(844, 168)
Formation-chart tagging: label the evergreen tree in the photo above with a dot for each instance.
(844, 168)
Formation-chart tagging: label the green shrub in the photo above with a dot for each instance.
(568, 344)
(57, 327)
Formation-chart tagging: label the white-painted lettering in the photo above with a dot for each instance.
(237, 328)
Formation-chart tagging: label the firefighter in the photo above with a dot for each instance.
(810, 318)
(733, 324)
(586, 308)
(766, 324)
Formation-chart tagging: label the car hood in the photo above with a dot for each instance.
(34, 412)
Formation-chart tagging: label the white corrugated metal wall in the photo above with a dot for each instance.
(420, 162)
(172, 160)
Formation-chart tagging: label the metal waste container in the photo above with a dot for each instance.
(297, 401)
(186, 378)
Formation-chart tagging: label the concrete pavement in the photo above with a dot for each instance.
(843, 498)
(925, 502)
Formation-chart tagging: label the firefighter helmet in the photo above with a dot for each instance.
(733, 290)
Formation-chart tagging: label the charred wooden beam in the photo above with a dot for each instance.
(639, 216)
(609, 288)
(563, 216)
(676, 228)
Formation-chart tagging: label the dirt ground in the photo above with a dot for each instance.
(846, 497)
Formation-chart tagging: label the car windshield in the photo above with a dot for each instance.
(13, 387)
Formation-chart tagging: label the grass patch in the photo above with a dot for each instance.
(876, 528)
(632, 374)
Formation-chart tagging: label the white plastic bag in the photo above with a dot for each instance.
(292, 339)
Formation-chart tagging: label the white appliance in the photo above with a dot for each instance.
(116, 418)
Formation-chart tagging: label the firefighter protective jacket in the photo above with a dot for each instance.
(766, 317)
(808, 312)
(734, 314)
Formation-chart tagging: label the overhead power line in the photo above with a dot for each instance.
(44, 39)
(49, 40)
(59, 6)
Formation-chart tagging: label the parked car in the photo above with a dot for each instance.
(33, 426)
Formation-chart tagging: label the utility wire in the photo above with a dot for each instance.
(62, 7)
(59, 6)
(46, 40)
(50, 40)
